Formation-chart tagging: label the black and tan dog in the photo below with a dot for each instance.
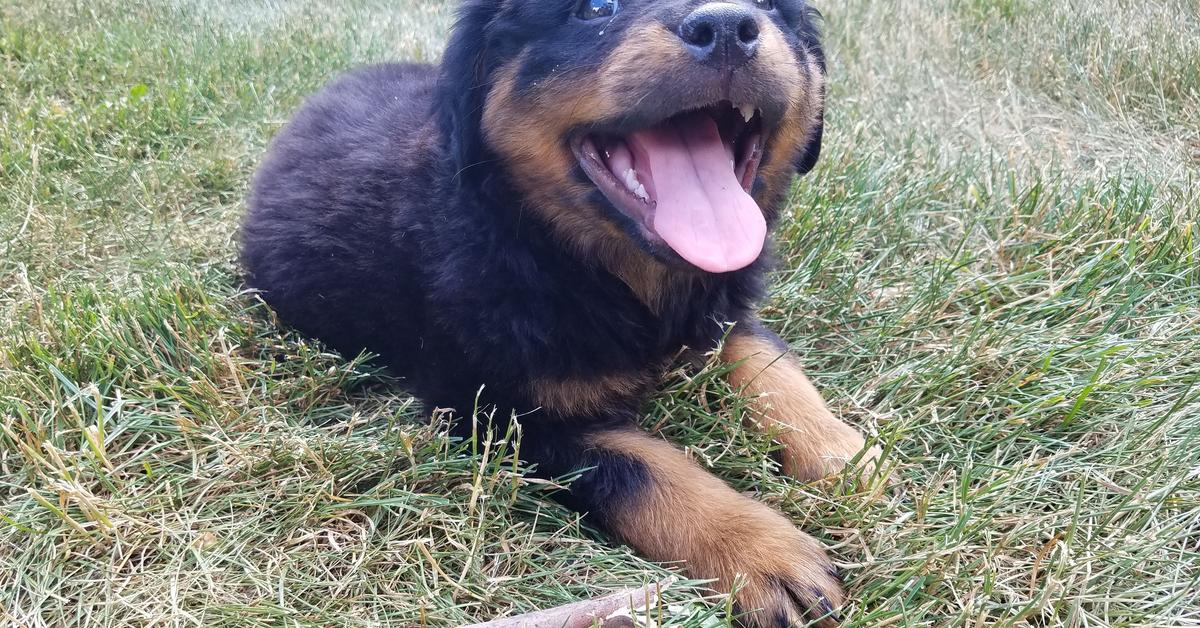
(580, 190)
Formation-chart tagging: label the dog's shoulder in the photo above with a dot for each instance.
(367, 129)
(361, 107)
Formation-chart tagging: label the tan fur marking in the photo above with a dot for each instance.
(816, 444)
(579, 395)
(804, 87)
(529, 132)
(646, 52)
(687, 514)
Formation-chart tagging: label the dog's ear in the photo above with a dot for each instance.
(463, 82)
(810, 35)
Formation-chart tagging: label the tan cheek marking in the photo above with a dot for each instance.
(804, 93)
(775, 54)
(528, 137)
(564, 101)
(524, 125)
(528, 132)
(513, 126)
(646, 53)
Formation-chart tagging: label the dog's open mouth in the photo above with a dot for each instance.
(686, 182)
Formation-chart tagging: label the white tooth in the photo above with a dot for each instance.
(747, 111)
(640, 192)
(633, 185)
(631, 180)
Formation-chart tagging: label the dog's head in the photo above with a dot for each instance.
(674, 125)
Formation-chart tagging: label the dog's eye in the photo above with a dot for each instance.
(593, 9)
(765, 5)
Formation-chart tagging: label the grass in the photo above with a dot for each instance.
(994, 269)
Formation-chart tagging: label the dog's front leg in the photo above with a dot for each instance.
(816, 444)
(650, 495)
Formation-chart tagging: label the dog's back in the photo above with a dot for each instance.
(323, 210)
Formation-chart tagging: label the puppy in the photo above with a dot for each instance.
(539, 224)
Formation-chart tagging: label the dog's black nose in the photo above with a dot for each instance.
(721, 34)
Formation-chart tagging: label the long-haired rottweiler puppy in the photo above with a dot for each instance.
(579, 190)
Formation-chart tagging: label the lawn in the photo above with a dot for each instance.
(995, 270)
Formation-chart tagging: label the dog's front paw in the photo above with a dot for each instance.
(779, 575)
(672, 510)
(813, 455)
(795, 586)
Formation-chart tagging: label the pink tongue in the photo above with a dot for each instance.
(702, 211)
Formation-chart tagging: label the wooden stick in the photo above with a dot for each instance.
(602, 611)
